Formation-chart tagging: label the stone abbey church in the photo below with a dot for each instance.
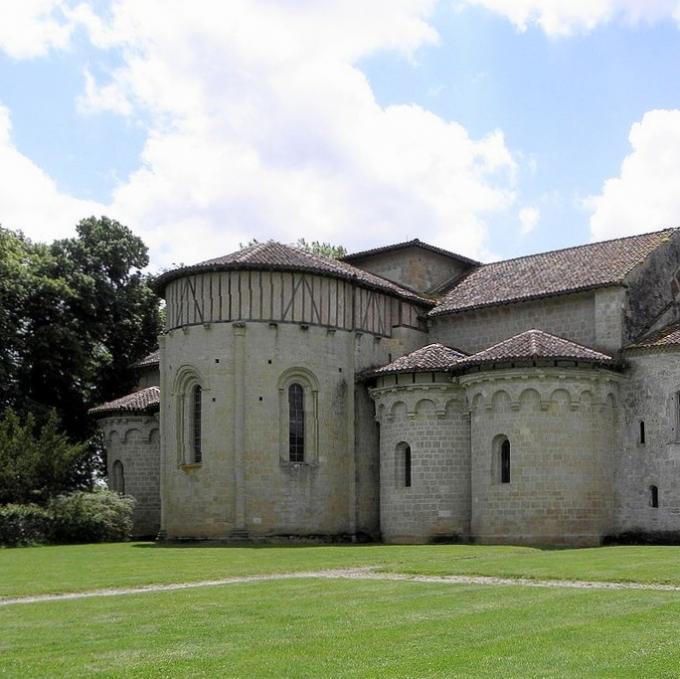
(408, 394)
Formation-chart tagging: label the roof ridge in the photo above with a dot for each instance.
(407, 243)
(579, 247)
(533, 332)
(273, 255)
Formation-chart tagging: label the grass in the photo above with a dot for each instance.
(347, 629)
(333, 628)
(40, 570)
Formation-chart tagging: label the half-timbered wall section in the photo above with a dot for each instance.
(282, 296)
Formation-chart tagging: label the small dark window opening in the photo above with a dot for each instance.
(296, 423)
(654, 496)
(118, 477)
(505, 461)
(642, 432)
(407, 467)
(196, 422)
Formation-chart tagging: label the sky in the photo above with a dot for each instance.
(493, 128)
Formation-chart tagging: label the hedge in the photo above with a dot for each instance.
(77, 517)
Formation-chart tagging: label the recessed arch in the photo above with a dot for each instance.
(530, 399)
(501, 400)
(398, 410)
(560, 397)
(298, 389)
(425, 406)
(188, 398)
(132, 433)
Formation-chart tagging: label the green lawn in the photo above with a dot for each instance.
(311, 628)
(65, 569)
(338, 628)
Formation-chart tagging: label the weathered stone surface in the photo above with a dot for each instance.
(578, 469)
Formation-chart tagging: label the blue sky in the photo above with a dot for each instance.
(492, 127)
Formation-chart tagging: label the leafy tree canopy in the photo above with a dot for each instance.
(73, 316)
(39, 462)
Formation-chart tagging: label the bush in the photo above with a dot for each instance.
(37, 462)
(23, 525)
(99, 516)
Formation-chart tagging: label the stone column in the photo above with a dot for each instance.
(239, 430)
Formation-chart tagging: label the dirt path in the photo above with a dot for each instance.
(346, 574)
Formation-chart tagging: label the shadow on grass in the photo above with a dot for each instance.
(217, 544)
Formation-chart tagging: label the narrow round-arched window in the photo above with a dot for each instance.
(118, 477)
(196, 424)
(505, 461)
(403, 465)
(296, 423)
(654, 496)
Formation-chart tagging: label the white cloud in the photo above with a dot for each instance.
(30, 200)
(528, 219)
(566, 17)
(261, 124)
(30, 28)
(645, 195)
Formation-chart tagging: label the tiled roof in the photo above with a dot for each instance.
(550, 273)
(433, 357)
(666, 337)
(145, 401)
(408, 244)
(278, 257)
(534, 344)
(152, 359)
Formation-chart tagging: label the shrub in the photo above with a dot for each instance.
(36, 462)
(23, 525)
(99, 516)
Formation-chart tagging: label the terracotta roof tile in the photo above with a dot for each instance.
(279, 257)
(550, 273)
(433, 357)
(534, 344)
(666, 337)
(144, 401)
(152, 359)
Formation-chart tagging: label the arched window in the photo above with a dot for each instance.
(299, 418)
(188, 390)
(196, 402)
(407, 467)
(403, 465)
(296, 423)
(118, 477)
(500, 459)
(505, 461)
(654, 497)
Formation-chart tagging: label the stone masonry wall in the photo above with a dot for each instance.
(414, 267)
(562, 429)
(245, 484)
(134, 441)
(653, 289)
(650, 396)
(570, 316)
(431, 418)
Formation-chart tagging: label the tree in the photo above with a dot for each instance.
(315, 247)
(39, 462)
(326, 249)
(74, 315)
